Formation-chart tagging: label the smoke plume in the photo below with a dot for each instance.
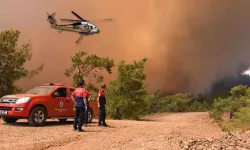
(189, 43)
(203, 41)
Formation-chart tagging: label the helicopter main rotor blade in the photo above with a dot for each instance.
(78, 16)
(101, 20)
(73, 24)
(70, 20)
(52, 15)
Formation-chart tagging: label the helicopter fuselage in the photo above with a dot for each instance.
(84, 27)
(92, 28)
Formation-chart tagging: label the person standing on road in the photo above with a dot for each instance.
(89, 95)
(101, 100)
(79, 97)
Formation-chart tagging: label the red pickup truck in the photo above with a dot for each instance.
(50, 101)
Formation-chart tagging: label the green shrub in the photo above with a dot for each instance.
(238, 103)
(127, 93)
(151, 103)
(197, 106)
(178, 103)
(227, 127)
(219, 107)
(243, 117)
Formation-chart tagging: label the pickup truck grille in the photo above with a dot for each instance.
(6, 108)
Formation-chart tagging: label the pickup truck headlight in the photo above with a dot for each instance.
(22, 100)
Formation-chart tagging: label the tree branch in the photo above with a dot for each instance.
(79, 70)
(88, 71)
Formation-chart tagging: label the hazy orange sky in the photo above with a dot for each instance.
(188, 43)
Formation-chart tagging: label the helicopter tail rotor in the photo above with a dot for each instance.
(51, 19)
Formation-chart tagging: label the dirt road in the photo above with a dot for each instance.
(155, 132)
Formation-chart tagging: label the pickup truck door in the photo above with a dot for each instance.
(72, 110)
(63, 103)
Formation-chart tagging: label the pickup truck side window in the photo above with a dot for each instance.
(61, 92)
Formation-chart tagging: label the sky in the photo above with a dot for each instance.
(188, 43)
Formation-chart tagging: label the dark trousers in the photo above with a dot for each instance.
(79, 117)
(102, 114)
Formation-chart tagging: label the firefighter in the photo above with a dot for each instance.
(79, 97)
(101, 100)
(89, 95)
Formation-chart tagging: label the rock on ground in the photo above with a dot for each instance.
(226, 142)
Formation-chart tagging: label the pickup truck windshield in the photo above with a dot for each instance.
(41, 90)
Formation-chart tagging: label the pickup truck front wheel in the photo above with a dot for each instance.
(9, 120)
(37, 116)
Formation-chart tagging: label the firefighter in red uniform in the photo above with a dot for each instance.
(101, 105)
(89, 95)
(79, 97)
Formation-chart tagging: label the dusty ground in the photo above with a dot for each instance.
(155, 132)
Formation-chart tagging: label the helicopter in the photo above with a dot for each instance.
(81, 26)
